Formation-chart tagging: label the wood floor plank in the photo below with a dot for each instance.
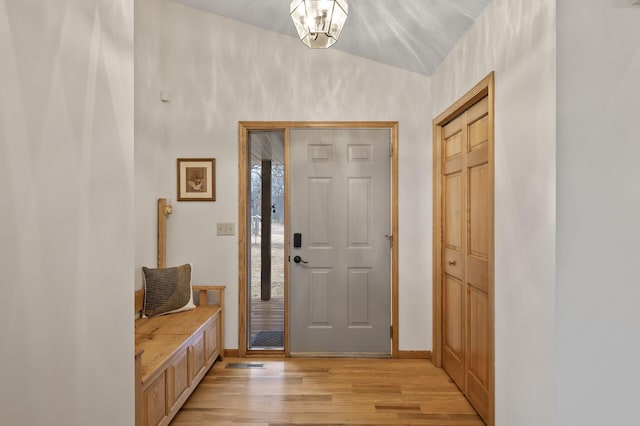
(317, 391)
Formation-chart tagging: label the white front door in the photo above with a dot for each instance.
(340, 286)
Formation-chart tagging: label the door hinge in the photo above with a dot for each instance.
(391, 331)
(390, 149)
(390, 238)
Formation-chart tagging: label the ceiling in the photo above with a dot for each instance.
(266, 145)
(415, 35)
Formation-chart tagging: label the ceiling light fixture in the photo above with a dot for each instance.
(319, 22)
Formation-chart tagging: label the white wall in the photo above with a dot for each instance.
(598, 290)
(66, 225)
(516, 38)
(219, 72)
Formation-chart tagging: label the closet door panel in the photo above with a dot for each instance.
(479, 242)
(453, 337)
(454, 239)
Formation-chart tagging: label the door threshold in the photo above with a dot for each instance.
(340, 354)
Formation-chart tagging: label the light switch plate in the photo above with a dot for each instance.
(226, 228)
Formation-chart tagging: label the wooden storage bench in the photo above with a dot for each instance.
(173, 353)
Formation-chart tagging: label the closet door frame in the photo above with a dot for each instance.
(484, 88)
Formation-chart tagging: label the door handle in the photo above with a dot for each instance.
(452, 262)
(298, 259)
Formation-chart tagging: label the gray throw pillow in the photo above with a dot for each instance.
(167, 290)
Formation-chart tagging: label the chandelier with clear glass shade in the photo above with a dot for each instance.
(319, 22)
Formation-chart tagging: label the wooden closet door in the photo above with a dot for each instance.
(467, 241)
(454, 239)
(479, 242)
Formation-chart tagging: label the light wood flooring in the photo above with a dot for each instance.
(320, 391)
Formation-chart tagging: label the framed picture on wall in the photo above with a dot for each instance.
(196, 179)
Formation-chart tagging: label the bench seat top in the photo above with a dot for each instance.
(161, 337)
(187, 322)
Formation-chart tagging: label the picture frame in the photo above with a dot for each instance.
(196, 179)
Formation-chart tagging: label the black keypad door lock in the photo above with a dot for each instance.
(297, 240)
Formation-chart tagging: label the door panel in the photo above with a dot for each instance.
(340, 202)
(478, 395)
(320, 298)
(451, 129)
(359, 211)
(478, 132)
(478, 211)
(478, 342)
(478, 273)
(453, 145)
(454, 319)
(320, 153)
(478, 155)
(359, 153)
(359, 297)
(320, 206)
(453, 211)
(477, 111)
(453, 335)
(478, 335)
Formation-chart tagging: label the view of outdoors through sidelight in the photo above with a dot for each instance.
(266, 281)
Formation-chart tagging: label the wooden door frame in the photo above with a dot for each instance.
(244, 127)
(480, 90)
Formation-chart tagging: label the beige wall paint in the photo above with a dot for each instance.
(219, 72)
(516, 38)
(66, 226)
(598, 289)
